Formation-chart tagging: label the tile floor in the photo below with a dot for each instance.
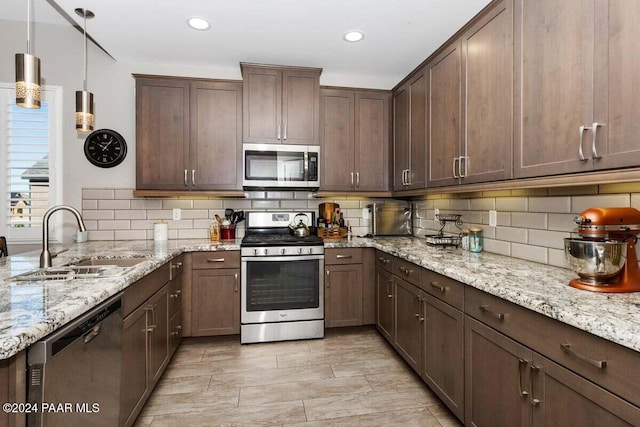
(352, 377)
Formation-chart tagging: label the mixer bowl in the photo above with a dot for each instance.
(596, 262)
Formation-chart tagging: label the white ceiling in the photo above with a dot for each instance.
(399, 34)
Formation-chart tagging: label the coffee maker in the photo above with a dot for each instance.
(604, 257)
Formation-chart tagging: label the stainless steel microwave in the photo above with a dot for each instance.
(280, 166)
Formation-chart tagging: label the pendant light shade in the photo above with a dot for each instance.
(84, 99)
(28, 73)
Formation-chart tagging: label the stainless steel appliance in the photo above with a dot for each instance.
(280, 166)
(605, 256)
(282, 282)
(74, 373)
(390, 219)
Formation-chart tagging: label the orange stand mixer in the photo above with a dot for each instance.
(605, 256)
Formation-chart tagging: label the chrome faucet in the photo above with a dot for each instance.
(45, 256)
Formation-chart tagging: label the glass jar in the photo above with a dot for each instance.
(475, 239)
(214, 231)
(464, 239)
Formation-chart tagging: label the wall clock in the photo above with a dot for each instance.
(105, 148)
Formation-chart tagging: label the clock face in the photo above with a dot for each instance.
(105, 148)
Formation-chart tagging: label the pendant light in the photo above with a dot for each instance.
(84, 98)
(28, 73)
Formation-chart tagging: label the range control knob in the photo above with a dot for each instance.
(311, 251)
(266, 251)
(300, 251)
(255, 252)
(283, 251)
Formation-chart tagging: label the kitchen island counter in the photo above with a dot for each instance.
(31, 310)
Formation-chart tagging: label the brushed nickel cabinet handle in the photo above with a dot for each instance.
(600, 364)
(186, 184)
(534, 401)
(357, 179)
(343, 256)
(437, 286)
(279, 132)
(285, 133)
(327, 274)
(594, 130)
(235, 278)
(455, 159)
(460, 168)
(176, 266)
(521, 363)
(193, 177)
(352, 179)
(215, 260)
(582, 129)
(485, 309)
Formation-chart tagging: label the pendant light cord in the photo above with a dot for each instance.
(28, 27)
(85, 51)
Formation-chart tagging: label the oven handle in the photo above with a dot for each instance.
(282, 258)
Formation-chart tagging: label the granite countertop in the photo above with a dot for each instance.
(31, 310)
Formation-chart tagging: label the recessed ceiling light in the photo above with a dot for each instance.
(199, 24)
(353, 36)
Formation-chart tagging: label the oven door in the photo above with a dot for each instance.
(282, 288)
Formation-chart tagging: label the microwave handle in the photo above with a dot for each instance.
(306, 166)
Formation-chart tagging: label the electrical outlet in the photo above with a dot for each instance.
(365, 213)
(493, 218)
(177, 214)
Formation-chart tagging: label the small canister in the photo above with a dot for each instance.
(475, 239)
(464, 239)
(214, 231)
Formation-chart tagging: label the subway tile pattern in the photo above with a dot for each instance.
(531, 223)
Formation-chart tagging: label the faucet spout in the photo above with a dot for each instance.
(45, 256)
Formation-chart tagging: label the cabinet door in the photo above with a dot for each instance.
(496, 378)
(343, 295)
(563, 398)
(371, 141)
(300, 107)
(487, 64)
(262, 105)
(417, 131)
(554, 76)
(408, 325)
(385, 317)
(443, 116)
(134, 364)
(443, 352)
(158, 321)
(400, 137)
(215, 302)
(337, 139)
(162, 134)
(216, 136)
(175, 332)
(617, 84)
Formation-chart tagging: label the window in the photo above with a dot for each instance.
(29, 145)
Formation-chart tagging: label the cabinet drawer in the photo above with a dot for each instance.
(446, 289)
(177, 265)
(406, 270)
(175, 295)
(383, 260)
(607, 364)
(218, 259)
(343, 256)
(141, 290)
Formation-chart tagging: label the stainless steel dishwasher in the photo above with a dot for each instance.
(74, 373)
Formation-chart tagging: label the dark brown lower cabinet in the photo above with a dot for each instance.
(385, 316)
(443, 352)
(343, 295)
(508, 384)
(145, 353)
(407, 321)
(216, 302)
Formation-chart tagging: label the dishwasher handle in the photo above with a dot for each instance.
(86, 327)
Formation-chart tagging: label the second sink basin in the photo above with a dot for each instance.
(120, 262)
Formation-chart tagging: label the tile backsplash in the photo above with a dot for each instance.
(531, 224)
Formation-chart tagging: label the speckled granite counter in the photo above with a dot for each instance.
(30, 311)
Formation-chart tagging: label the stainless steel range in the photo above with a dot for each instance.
(282, 280)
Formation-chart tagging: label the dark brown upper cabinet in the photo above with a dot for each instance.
(577, 70)
(188, 134)
(281, 105)
(354, 135)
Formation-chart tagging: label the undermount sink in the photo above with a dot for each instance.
(120, 262)
(74, 272)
